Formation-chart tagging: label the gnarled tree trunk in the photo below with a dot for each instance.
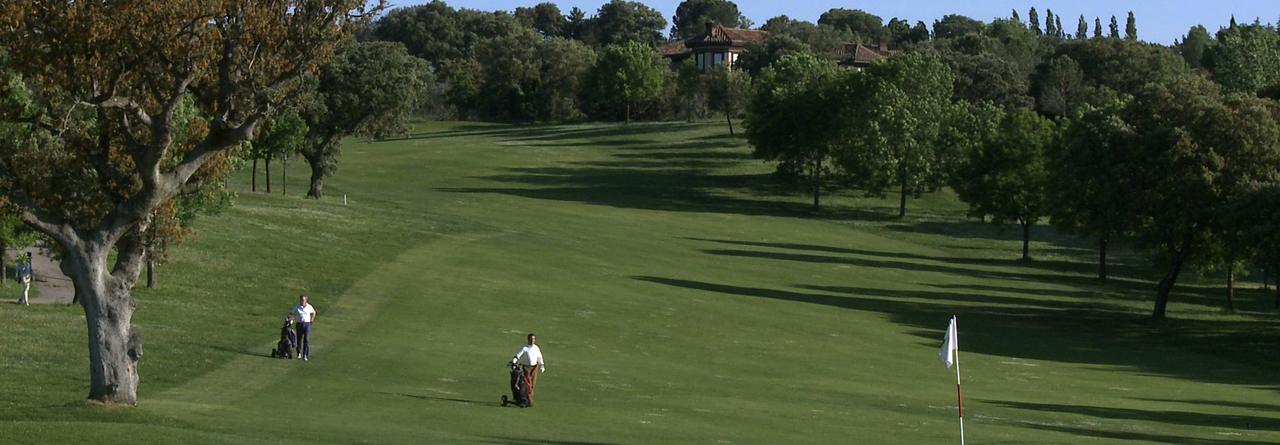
(114, 346)
(317, 183)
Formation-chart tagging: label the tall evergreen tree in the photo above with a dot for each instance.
(1058, 23)
(1097, 27)
(1194, 44)
(1035, 21)
(1082, 30)
(1131, 28)
(1115, 28)
(1015, 17)
(1050, 29)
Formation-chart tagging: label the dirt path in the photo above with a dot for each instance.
(50, 286)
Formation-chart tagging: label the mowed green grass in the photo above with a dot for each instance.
(679, 295)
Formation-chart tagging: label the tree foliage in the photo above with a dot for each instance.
(625, 75)
(524, 78)
(1006, 174)
(1131, 28)
(727, 92)
(900, 112)
(1245, 58)
(439, 33)
(620, 22)
(95, 156)
(861, 26)
(544, 17)
(369, 90)
(1195, 45)
(1189, 151)
(953, 26)
(789, 118)
(1059, 87)
(692, 16)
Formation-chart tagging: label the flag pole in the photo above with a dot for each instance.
(959, 399)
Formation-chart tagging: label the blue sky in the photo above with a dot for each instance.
(1158, 21)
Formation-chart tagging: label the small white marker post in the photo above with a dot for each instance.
(344, 199)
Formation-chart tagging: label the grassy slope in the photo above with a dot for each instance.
(679, 299)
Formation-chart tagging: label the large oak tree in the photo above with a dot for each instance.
(96, 154)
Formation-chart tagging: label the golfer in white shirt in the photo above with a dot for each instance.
(303, 315)
(530, 359)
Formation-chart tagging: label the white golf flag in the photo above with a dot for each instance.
(949, 345)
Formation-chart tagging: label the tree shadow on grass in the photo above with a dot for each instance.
(244, 352)
(1184, 418)
(1007, 326)
(1138, 437)
(441, 399)
(1215, 403)
(1044, 272)
(527, 441)
(670, 189)
(550, 132)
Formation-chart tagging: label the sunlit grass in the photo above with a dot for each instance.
(680, 293)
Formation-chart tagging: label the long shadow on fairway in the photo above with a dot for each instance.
(549, 132)
(1252, 406)
(1135, 437)
(524, 441)
(1045, 271)
(1185, 418)
(670, 189)
(1025, 328)
(441, 399)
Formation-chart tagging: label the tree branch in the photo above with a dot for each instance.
(122, 103)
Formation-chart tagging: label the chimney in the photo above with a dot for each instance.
(884, 44)
(710, 25)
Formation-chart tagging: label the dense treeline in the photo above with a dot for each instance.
(1090, 128)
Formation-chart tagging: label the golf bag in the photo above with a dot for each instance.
(284, 349)
(519, 388)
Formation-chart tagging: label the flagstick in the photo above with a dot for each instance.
(959, 399)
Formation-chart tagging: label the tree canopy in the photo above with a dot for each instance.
(789, 118)
(625, 75)
(369, 89)
(620, 22)
(861, 26)
(96, 148)
(900, 111)
(692, 15)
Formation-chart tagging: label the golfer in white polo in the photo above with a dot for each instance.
(303, 315)
(530, 359)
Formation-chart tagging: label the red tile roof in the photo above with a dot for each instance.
(861, 55)
(675, 48)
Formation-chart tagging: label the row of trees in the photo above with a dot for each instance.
(1130, 142)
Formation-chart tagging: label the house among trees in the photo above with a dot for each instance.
(715, 46)
(718, 45)
(860, 56)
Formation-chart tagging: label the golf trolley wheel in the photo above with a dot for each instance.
(504, 400)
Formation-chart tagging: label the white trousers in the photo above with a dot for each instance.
(26, 286)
